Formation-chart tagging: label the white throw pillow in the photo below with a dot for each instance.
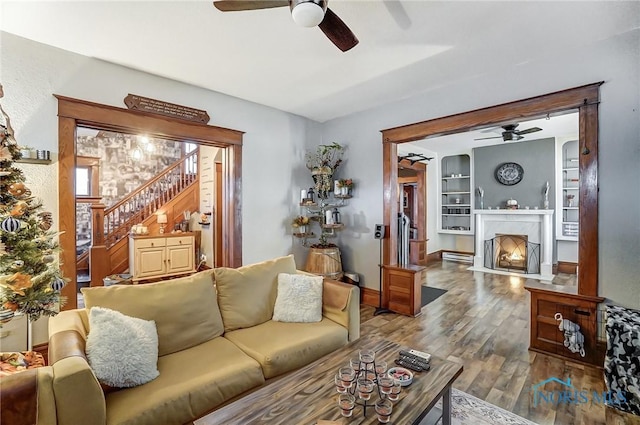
(122, 350)
(299, 298)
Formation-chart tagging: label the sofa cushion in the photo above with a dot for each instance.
(122, 350)
(191, 383)
(185, 309)
(281, 347)
(299, 298)
(246, 295)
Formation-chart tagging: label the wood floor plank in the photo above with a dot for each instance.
(482, 322)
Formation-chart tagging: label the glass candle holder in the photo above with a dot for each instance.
(383, 409)
(365, 388)
(340, 384)
(348, 375)
(381, 367)
(394, 395)
(385, 384)
(367, 356)
(346, 402)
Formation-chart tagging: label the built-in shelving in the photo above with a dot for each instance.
(456, 196)
(34, 161)
(569, 190)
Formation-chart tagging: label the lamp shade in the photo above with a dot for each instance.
(162, 219)
(307, 14)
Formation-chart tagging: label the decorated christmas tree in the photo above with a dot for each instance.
(30, 276)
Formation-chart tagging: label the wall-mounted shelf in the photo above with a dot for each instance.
(34, 161)
(455, 200)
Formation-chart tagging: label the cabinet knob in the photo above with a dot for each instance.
(179, 241)
(152, 244)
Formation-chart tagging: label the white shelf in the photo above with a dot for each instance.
(456, 232)
(457, 177)
(570, 169)
(571, 222)
(456, 193)
(570, 208)
(458, 215)
(456, 205)
(570, 188)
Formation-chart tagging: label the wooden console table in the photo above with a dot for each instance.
(402, 287)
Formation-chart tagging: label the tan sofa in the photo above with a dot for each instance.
(214, 344)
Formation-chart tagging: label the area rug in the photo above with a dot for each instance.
(429, 294)
(469, 410)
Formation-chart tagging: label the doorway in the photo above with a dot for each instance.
(584, 99)
(74, 113)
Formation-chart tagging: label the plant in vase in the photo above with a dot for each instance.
(299, 223)
(323, 163)
(345, 186)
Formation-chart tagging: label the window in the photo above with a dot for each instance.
(83, 181)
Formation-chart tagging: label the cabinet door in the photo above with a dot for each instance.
(179, 258)
(150, 261)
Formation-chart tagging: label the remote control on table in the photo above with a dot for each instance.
(405, 363)
(405, 355)
(425, 356)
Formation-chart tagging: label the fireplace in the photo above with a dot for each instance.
(512, 253)
(528, 249)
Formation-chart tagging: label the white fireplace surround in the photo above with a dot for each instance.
(535, 224)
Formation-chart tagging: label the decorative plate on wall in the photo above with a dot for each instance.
(509, 173)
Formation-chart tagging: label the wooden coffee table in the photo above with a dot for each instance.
(308, 394)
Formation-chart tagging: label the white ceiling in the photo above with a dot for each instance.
(405, 47)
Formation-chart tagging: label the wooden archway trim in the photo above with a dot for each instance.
(584, 99)
(75, 112)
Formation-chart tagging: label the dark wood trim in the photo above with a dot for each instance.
(583, 98)
(369, 296)
(66, 207)
(533, 107)
(434, 256)
(120, 119)
(74, 112)
(566, 267)
(44, 350)
(390, 210)
(588, 163)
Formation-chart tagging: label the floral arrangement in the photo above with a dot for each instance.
(348, 183)
(30, 278)
(300, 220)
(325, 156)
(323, 163)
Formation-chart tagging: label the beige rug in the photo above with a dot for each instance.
(469, 410)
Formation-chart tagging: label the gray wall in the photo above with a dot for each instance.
(537, 158)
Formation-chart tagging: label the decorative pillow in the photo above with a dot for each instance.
(299, 299)
(122, 350)
(246, 295)
(185, 309)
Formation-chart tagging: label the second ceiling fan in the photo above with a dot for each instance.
(510, 133)
(307, 13)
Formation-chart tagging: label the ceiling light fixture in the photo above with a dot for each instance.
(308, 13)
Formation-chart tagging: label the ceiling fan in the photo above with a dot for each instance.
(510, 133)
(306, 13)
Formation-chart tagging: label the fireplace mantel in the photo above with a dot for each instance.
(536, 224)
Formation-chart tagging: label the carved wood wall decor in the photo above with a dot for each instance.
(145, 104)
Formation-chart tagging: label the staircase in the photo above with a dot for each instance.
(173, 191)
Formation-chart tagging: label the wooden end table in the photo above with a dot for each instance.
(308, 395)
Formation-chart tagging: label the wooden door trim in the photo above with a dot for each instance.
(75, 112)
(584, 99)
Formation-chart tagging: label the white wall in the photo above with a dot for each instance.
(615, 61)
(272, 153)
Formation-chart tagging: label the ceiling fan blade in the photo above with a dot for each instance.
(529, 130)
(238, 5)
(486, 138)
(337, 31)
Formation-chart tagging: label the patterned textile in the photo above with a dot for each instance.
(11, 363)
(469, 410)
(622, 362)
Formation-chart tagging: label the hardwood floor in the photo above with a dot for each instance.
(483, 323)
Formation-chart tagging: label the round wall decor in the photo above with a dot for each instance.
(509, 173)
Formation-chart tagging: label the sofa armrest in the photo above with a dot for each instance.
(78, 396)
(341, 303)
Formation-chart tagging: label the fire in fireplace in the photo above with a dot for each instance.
(512, 253)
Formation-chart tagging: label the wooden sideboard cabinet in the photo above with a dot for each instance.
(161, 255)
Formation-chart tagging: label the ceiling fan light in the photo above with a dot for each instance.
(307, 14)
